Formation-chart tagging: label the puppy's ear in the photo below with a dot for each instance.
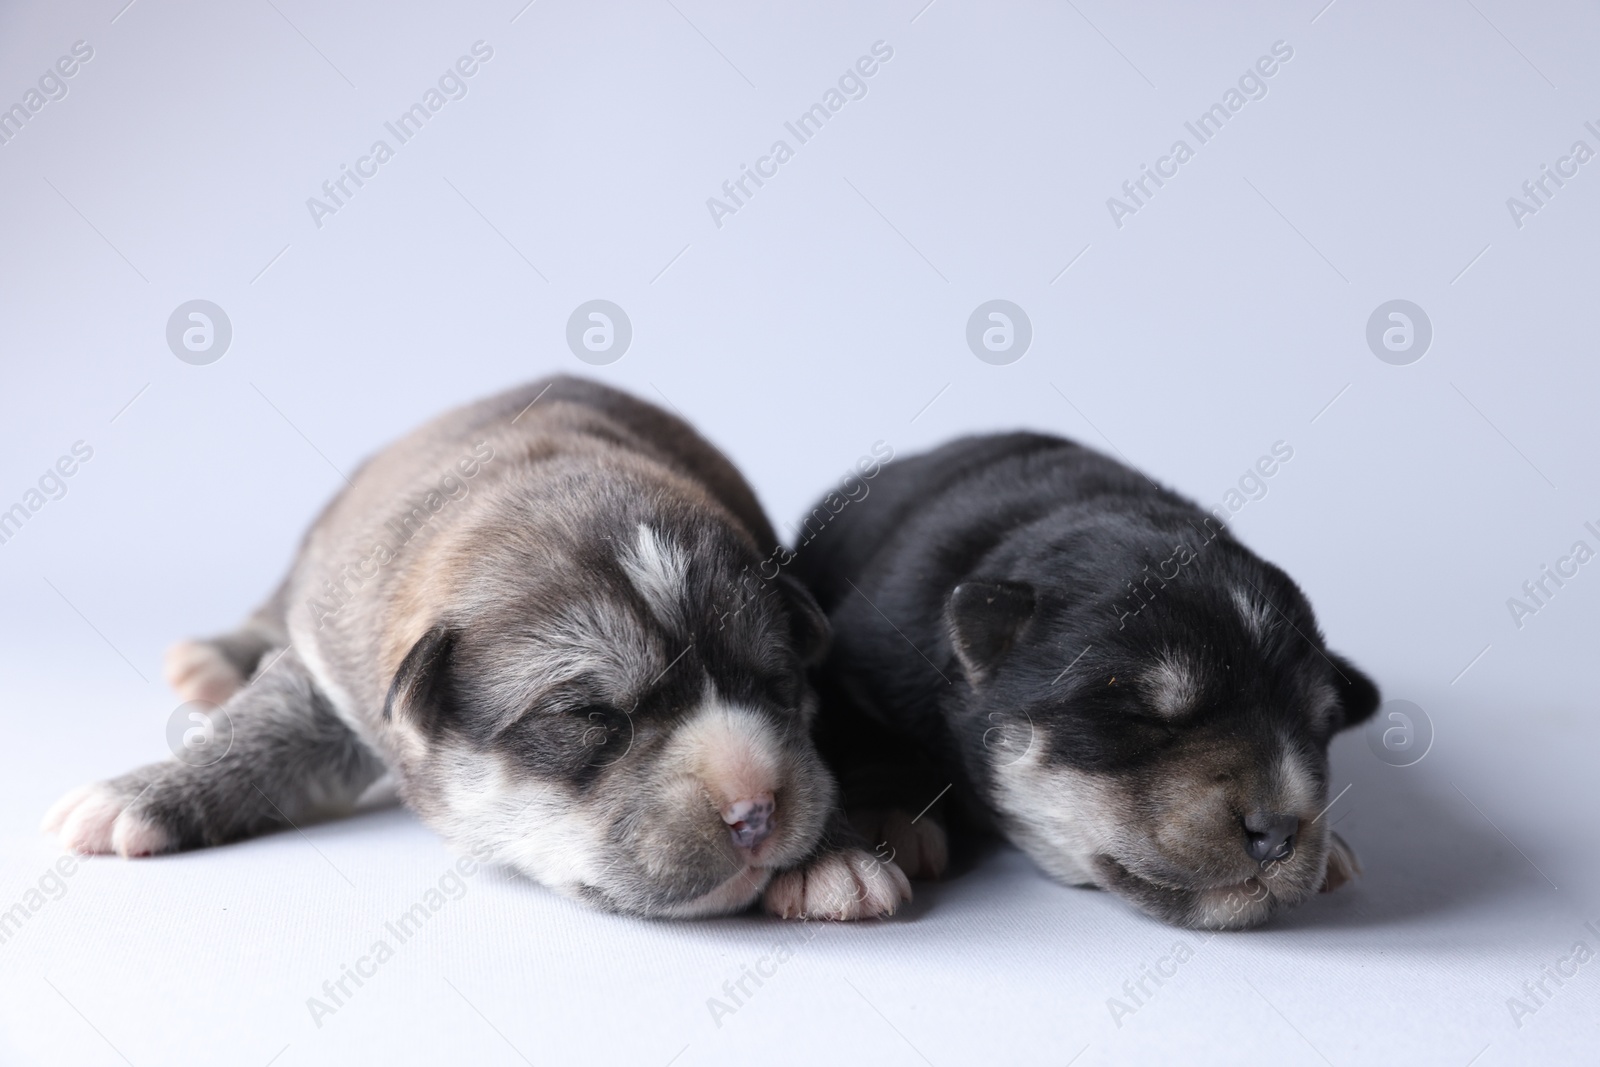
(807, 624)
(421, 692)
(984, 618)
(1358, 694)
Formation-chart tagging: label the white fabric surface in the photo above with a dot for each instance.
(827, 313)
(211, 957)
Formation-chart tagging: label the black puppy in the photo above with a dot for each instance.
(1128, 693)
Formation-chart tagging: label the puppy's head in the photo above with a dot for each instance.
(616, 705)
(1164, 739)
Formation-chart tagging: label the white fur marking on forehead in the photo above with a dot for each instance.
(656, 567)
(1170, 685)
(1257, 616)
(1296, 786)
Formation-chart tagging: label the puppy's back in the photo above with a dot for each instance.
(565, 404)
(642, 427)
(956, 501)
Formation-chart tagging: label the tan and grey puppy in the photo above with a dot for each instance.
(541, 614)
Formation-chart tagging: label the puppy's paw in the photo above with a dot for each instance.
(1342, 864)
(98, 819)
(199, 671)
(847, 884)
(919, 847)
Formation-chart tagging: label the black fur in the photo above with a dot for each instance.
(1019, 590)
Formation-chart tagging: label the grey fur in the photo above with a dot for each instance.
(541, 613)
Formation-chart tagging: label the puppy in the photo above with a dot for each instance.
(1094, 666)
(539, 614)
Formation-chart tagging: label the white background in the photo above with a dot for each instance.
(827, 314)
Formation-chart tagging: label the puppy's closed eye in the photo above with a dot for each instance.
(601, 721)
(577, 739)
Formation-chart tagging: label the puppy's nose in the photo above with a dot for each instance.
(749, 819)
(1269, 835)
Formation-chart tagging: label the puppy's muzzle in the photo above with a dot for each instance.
(749, 820)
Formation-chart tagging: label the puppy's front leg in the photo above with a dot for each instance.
(290, 758)
(840, 881)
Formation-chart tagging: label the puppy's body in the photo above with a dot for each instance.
(1133, 697)
(539, 612)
